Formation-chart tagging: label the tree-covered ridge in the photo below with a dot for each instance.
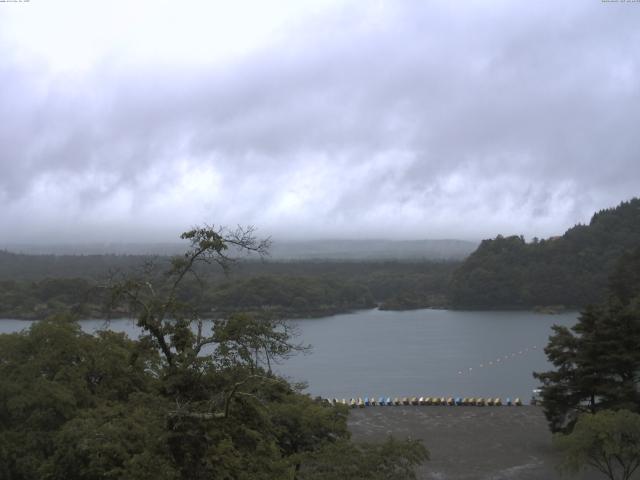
(19, 266)
(571, 270)
(296, 289)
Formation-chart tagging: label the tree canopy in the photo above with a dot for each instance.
(571, 270)
(187, 400)
(607, 441)
(288, 289)
(597, 361)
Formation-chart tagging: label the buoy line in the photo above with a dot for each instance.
(499, 360)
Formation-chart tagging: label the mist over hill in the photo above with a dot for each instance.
(334, 249)
(371, 250)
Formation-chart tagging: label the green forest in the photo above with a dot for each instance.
(34, 287)
(80, 406)
(569, 271)
(564, 272)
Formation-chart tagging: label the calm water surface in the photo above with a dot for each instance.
(424, 352)
(418, 352)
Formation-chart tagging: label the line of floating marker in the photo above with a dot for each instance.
(499, 360)
(415, 401)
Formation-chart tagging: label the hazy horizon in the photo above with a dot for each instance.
(132, 122)
(327, 249)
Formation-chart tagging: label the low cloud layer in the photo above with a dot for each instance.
(408, 120)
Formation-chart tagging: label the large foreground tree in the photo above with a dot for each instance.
(189, 399)
(597, 361)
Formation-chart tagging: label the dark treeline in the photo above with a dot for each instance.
(18, 266)
(507, 272)
(571, 270)
(38, 286)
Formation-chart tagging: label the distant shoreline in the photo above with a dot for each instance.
(326, 313)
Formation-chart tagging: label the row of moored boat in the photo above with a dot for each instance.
(449, 401)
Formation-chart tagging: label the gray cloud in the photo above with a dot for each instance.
(424, 120)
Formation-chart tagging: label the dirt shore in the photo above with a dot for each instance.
(470, 443)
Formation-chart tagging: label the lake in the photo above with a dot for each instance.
(417, 352)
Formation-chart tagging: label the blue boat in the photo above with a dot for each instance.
(381, 401)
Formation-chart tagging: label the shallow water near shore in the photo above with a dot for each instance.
(419, 352)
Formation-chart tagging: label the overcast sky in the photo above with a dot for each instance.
(133, 121)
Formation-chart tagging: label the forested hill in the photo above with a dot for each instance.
(17, 266)
(37, 286)
(571, 270)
